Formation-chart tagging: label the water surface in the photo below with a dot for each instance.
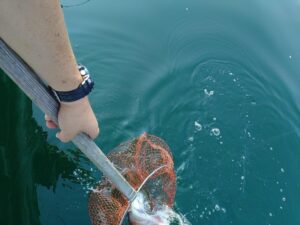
(218, 81)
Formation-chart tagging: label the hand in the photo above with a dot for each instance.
(74, 118)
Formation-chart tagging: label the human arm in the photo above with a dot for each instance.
(35, 29)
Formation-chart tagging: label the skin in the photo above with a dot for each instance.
(36, 30)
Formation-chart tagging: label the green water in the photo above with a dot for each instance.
(219, 81)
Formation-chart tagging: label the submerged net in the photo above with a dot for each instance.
(136, 160)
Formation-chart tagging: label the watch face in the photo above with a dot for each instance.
(85, 75)
(82, 72)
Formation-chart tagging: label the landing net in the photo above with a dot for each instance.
(136, 160)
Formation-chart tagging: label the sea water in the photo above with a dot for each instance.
(217, 80)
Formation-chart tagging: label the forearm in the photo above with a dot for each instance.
(35, 29)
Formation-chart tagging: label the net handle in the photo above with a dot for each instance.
(27, 80)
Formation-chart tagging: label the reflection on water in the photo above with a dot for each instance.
(27, 160)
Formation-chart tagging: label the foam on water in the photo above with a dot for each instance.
(140, 213)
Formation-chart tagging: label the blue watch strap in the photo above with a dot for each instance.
(83, 89)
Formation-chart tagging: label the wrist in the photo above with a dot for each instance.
(83, 89)
(69, 84)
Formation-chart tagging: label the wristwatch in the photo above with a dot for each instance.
(81, 91)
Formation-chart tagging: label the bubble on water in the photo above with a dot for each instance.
(234, 80)
(198, 126)
(243, 157)
(191, 139)
(242, 177)
(187, 9)
(280, 207)
(281, 190)
(208, 93)
(230, 73)
(214, 119)
(282, 170)
(215, 131)
(140, 213)
(217, 207)
(181, 167)
(270, 214)
(223, 210)
(271, 148)
(283, 199)
(290, 57)
(249, 134)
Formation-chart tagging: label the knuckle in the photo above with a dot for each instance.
(68, 138)
(64, 137)
(63, 140)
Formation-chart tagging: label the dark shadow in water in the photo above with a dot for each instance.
(26, 160)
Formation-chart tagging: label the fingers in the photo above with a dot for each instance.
(47, 117)
(73, 119)
(64, 137)
(49, 123)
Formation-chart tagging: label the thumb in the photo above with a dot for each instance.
(64, 137)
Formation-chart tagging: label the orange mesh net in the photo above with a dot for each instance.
(136, 160)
